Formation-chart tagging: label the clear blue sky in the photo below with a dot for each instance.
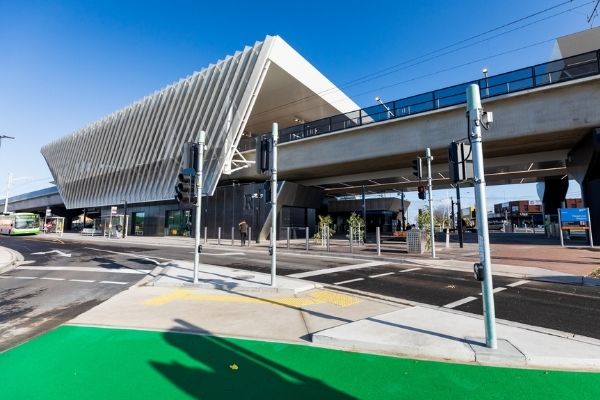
(65, 64)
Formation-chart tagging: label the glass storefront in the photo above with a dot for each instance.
(178, 223)
(138, 223)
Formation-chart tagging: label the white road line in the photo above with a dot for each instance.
(115, 283)
(53, 279)
(498, 289)
(518, 283)
(85, 269)
(351, 280)
(460, 302)
(233, 253)
(82, 280)
(410, 270)
(337, 269)
(151, 259)
(5, 277)
(25, 277)
(378, 275)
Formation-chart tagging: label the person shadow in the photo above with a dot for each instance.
(228, 368)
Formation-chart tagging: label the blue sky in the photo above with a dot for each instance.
(65, 64)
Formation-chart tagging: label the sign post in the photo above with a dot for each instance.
(575, 219)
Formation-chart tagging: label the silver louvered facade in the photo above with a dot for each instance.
(134, 154)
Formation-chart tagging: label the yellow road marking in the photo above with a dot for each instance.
(315, 297)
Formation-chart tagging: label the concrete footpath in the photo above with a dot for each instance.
(236, 303)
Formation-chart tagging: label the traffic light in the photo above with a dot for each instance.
(184, 190)
(417, 168)
(263, 154)
(421, 190)
(460, 162)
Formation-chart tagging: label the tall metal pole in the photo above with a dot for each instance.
(459, 216)
(275, 135)
(475, 112)
(198, 167)
(431, 227)
(402, 220)
(8, 184)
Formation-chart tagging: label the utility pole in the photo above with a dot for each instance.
(275, 134)
(8, 184)
(4, 137)
(453, 222)
(476, 119)
(402, 220)
(431, 225)
(459, 216)
(198, 167)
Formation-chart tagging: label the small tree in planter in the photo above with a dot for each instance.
(358, 227)
(325, 222)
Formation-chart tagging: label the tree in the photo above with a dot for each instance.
(358, 227)
(325, 222)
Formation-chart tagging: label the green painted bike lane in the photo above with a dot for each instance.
(97, 363)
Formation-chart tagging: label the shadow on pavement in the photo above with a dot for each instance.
(222, 369)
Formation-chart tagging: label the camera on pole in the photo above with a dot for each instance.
(421, 190)
(417, 166)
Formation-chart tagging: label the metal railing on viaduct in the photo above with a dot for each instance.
(550, 73)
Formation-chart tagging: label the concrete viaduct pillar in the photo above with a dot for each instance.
(583, 164)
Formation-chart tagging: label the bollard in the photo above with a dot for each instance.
(306, 237)
(249, 235)
(351, 238)
(378, 238)
(327, 230)
(288, 237)
(447, 237)
(205, 234)
(219, 236)
(232, 236)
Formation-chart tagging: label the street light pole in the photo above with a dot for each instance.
(124, 218)
(4, 137)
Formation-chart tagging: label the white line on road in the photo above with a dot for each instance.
(25, 277)
(115, 283)
(82, 280)
(460, 302)
(410, 270)
(518, 283)
(498, 289)
(233, 253)
(378, 275)
(85, 269)
(53, 279)
(151, 259)
(337, 269)
(351, 280)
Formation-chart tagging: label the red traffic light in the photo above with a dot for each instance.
(421, 190)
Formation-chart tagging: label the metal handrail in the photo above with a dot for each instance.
(544, 74)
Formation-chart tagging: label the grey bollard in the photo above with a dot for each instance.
(378, 238)
(351, 238)
(288, 237)
(327, 238)
(249, 235)
(219, 236)
(205, 234)
(232, 236)
(306, 237)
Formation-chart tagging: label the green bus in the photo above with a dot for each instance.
(19, 224)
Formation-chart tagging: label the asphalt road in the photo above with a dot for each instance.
(63, 281)
(569, 308)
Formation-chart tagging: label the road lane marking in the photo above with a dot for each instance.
(233, 253)
(460, 302)
(410, 270)
(84, 269)
(150, 259)
(518, 283)
(82, 280)
(379, 275)
(115, 283)
(498, 289)
(337, 269)
(349, 281)
(53, 279)
(25, 277)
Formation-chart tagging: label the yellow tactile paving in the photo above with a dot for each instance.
(314, 297)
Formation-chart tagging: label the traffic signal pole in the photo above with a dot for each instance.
(475, 114)
(198, 215)
(431, 225)
(274, 206)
